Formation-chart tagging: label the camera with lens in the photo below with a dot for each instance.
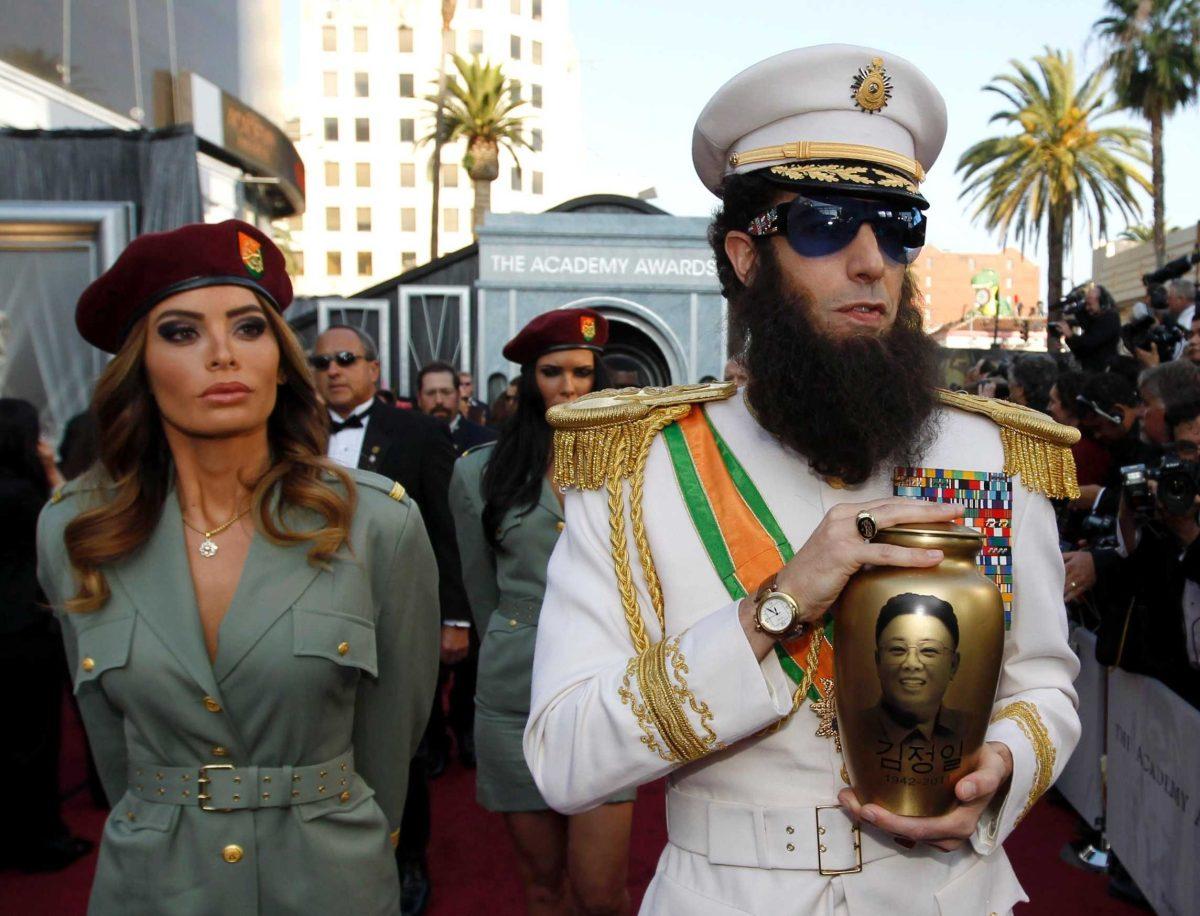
(1145, 332)
(1178, 485)
(1069, 308)
(1170, 271)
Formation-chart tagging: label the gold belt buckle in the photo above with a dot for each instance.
(854, 831)
(203, 781)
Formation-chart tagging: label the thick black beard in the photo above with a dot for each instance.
(850, 405)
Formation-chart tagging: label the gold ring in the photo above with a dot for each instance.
(1073, 584)
(865, 523)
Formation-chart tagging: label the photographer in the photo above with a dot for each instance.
(1181, 302)
(1153, 343)
(1099, 325)
(1157, 630)
(1030, 379)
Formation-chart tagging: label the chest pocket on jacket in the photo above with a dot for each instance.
(340, 638)
(102, 647)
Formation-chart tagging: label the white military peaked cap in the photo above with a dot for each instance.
(836, 117)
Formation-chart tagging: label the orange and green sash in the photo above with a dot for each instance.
(741, 536)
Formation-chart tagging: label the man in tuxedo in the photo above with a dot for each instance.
(417, 452)
(468, 405)
(437, 397)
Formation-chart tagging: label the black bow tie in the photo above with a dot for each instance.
(354, 421)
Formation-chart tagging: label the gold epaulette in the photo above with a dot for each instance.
(1035, 447)
(606, 434)
(602, 440)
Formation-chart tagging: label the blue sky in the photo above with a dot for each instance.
(649, 66)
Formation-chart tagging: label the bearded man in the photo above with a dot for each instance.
(710, 529)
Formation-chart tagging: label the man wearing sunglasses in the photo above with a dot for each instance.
(663, 642)
(415, 451)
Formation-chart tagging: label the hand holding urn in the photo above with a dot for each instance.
(917, 655)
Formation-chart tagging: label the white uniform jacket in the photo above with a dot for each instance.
(747, 829)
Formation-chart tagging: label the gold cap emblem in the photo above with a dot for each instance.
(872, 87)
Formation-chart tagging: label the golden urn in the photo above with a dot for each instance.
(917, 656)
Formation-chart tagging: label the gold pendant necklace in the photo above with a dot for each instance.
(208, 548)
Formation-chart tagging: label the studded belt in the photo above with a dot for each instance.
(230, 787)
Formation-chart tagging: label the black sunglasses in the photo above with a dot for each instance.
(343, 358)
(818, 227)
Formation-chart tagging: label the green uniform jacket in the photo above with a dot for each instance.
(311, 663)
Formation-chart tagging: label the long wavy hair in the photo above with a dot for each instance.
(514, 473)
(135, 465)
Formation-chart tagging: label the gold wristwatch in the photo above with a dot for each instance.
(776, 613)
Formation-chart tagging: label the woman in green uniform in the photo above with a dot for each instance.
(508, 517)
(252, 631)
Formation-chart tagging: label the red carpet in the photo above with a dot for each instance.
(472, 871)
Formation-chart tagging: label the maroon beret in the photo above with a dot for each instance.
(562, 329)
(161, 264)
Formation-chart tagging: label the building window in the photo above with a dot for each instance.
(514, 90)
(1008, 282)
(1008, 264)
(408, 260)
(536, 93)
(535, 139)
(408, 219)
(537, 182)
(928, 281)
(970, 263)
(408, 130)
(328, 38)
(298, 263)
(475, 41)
(449, 175)
(364, 263)
(333, 175)
(329, 78)
(333, 263)
(514, 47)
(362, 219)
(333, 219)
(362, 129)
(331, 129)
(406, 85)
(536, 11)
(296, 223)
(449, 42)
(516, 179)
(362, 174)
(408, 175)
(362, 85)
(405, 43)
(537, 53)
(450, 219)
(360, 38)
(514, 7)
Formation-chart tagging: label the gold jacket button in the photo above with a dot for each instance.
(211, 705)
(232, 853)
(344, 797)
(219, 751)
(560, 526)
(343, 648)
(88, 664)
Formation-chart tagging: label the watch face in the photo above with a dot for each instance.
(776, 615)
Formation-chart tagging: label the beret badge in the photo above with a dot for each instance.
(587, 327)
(250, 250)
(871, 87)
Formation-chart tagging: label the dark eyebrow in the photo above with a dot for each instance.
(232, 313)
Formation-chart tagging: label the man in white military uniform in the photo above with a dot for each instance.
(659, 653)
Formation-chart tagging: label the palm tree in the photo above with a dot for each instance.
(478, 108)
(1154, 55)
(1140, 233)
(1058, 164)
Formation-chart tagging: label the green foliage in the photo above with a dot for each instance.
(1153, 53)
(1060, 162)
(479, 106)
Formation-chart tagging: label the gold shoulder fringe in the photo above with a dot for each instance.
(1035, 447)
(602, 440)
